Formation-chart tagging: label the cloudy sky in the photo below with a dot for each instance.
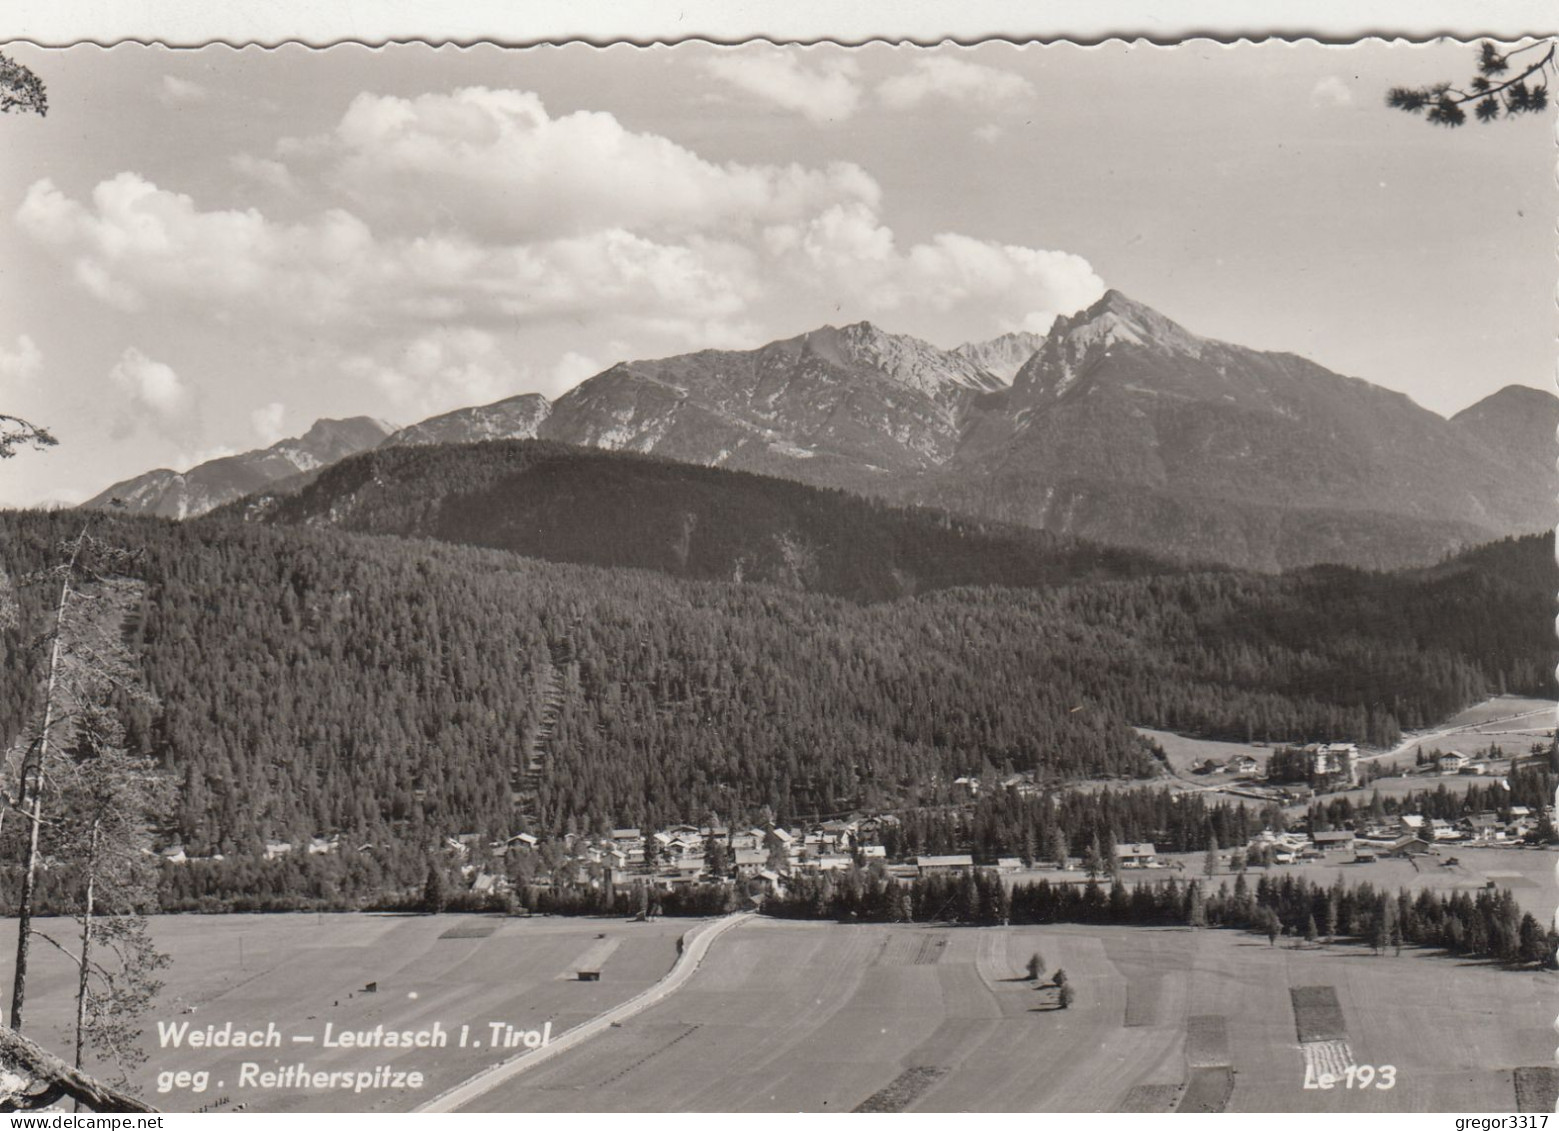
(204, 251)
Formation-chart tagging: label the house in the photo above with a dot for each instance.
(1009, 864)
(1244, 764)
(1333, 763)
(681, 874)
(1411, 824)
(873, 852)
(1442, 830)
(1338, 838)
(1136, 855)
(323, 846)
(1484, 826)
(752, 838)
(1409, 846)
(1363, 855)
(750, 861)
(275, 850)
(1453, 762)
(485, 884)
(929, 865)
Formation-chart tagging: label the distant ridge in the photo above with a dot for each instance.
(1118, 426)
(186, 494)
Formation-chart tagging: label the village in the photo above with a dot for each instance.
(767, 858)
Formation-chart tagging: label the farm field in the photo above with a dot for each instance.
(1181, 751)
(302, 971)
(787, 1016)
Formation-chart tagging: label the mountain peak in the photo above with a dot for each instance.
(1003, 355)
(901, 358)
(1512, 398)
(217, 481)
(1115, 317)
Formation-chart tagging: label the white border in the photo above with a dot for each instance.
(192, 22)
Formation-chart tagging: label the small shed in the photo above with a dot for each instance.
(589, 975)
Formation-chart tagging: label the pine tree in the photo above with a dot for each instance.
(435, 890)
(1093, 860)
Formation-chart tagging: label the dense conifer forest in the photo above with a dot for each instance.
(310, 682)
(625, 510)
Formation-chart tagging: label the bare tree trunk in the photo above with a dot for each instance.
(86, 954)
(58, 1079)
(32, 797)
(86, 949)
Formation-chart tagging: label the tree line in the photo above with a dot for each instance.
(1486, 925)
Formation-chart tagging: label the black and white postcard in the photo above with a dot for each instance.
(709, 578)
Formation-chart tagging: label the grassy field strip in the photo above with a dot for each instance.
(1148, 1098)
(1537, 1089)
(696, 944)
(909, 1087)
(592, 959)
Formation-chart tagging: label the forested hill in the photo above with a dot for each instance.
(593, 507)
(315, 682)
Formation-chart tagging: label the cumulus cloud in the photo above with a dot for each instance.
(267, 422)
(496, 164)
(956, 80)
(1331, 91)
(445, 368)
(825, 92)
(992, 287)
(138, 243)
(452, 229)
(179, 92)
(152, 392)
(265, 171)
(23, 363)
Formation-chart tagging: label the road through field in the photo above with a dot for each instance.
(695, 945)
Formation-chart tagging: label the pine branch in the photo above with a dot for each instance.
(1443, 104)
